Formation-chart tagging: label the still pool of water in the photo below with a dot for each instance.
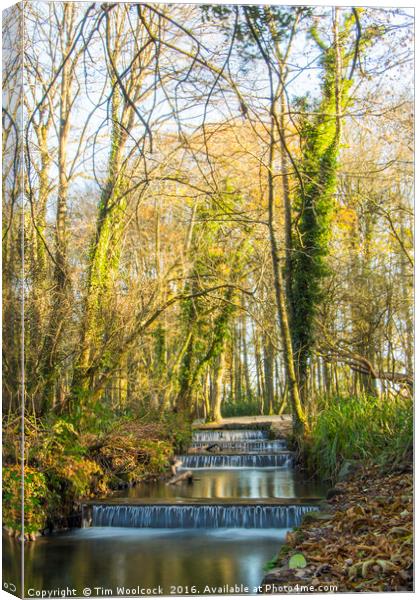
(177, 559)
(230, 483)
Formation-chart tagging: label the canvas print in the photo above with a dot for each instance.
(207, 299)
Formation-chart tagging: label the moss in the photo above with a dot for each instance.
(206, 336)
(315, 202)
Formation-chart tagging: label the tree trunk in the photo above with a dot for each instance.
(268, 377)
(300, 423)
(245, 354)
(217, 388)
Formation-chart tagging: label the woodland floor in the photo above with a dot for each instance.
(362, 542)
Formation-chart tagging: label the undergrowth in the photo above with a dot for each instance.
(249, 406)
(64, 464)
(359, 428)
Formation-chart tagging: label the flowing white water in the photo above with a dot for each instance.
(212, 435)
(243, 446)
(196, 516)
(236, 461)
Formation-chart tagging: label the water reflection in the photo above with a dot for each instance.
(12, 558)
(107, 557)
(249, 483)
(111, 557)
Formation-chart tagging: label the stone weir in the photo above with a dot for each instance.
(236, 461)
(240, 445)
(227, 435)
(199, 514)
(232, 449)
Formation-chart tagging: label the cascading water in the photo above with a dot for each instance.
(220, 529)
(236, 461)
(243, 446)
(253, 451)
(213, 435)
(199, 516)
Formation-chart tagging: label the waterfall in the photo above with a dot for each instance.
(245, 446)
(214, 435)
(238, 449)
(194, 516)
(233, 461)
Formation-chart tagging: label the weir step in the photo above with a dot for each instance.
(235, 460)
(235, 452)
(210, 516)
(213, 435)
(243, 445)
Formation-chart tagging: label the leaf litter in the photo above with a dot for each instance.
(361, 542)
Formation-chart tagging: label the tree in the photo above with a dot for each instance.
(320, 140)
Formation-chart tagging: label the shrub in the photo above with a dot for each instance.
(134, 450)
(57, 474)
(36, 497)
(177, 430)
(64, 465)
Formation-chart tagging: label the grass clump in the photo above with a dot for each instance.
(360, 428)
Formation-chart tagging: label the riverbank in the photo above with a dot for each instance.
(67, 465)
(214, 532)
(361, 541)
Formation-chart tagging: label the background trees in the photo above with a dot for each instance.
(215, 219)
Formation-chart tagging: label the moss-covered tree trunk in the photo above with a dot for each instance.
(320, 140)
(192, 365)
(104, 259)
(105, 250)
(268, 377)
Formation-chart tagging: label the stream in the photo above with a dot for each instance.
(212, 536)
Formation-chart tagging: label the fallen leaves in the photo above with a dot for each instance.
(362, 542)
(297, 561)
(377, 565)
